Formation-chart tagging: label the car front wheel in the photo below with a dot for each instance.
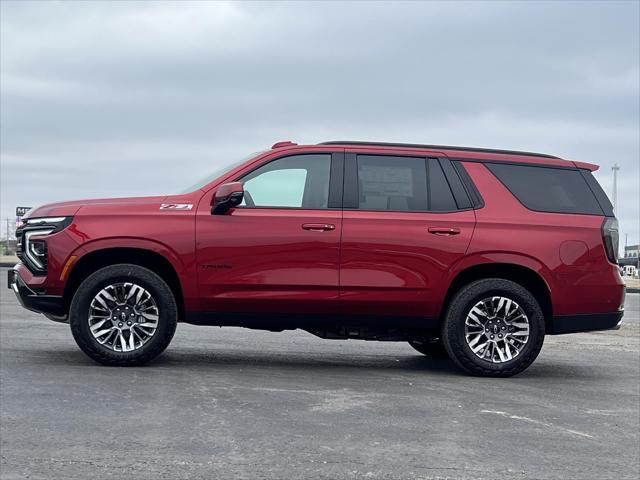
(123, 315)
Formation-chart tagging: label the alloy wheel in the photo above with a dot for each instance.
(123, 316)
(496, 329)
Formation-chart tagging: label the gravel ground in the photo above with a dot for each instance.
(235, 403)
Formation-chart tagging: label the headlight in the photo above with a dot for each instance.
(32, 249)
(47, 220)
(36, 250)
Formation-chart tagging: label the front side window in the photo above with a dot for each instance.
(299, 181)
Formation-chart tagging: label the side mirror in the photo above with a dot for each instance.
(227, 196)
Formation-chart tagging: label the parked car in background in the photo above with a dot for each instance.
(473, 253)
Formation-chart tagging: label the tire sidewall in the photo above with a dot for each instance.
(159, 290)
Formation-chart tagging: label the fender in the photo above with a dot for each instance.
(185, 270)
(499, 257)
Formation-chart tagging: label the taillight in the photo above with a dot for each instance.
(610, 238)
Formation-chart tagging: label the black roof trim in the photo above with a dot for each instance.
(443, 147)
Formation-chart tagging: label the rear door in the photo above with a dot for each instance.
(402, 229)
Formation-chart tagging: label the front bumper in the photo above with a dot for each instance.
(50, 305)
(584, 323)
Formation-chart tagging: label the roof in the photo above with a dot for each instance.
(439, 147)
(460, 153)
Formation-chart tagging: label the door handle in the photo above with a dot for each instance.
(444, 231)
(318, 227)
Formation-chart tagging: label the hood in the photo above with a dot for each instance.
(70, 208)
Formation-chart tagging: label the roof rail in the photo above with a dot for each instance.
(435, 147)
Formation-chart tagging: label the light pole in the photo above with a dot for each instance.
(615, 169)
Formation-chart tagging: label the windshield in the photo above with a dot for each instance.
(218, 173)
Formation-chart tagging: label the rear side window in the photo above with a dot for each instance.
(392, 183)
(546, 189)
(403, 184)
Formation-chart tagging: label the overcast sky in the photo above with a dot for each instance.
(106, 99)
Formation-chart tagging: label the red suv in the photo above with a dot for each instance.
(467, 252)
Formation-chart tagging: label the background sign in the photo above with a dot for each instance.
(21, 211)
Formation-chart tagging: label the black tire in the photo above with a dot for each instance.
(430, 347)
(453, 334)
(155, 285)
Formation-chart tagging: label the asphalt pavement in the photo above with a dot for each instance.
(235, 403)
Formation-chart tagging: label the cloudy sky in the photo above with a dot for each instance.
(110, 99)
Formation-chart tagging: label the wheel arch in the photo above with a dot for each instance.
(96, 259)
(522, 275)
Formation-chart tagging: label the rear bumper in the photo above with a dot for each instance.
(48, 304)
(585, 323)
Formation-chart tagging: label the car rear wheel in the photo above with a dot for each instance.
(123, 315)
(493, 327)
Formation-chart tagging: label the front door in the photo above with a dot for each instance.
(279, 251)
(402, 230)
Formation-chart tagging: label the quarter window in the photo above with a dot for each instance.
(548, 189)
(299, 181)
(440, 196)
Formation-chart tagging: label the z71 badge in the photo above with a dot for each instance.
(176, 206)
